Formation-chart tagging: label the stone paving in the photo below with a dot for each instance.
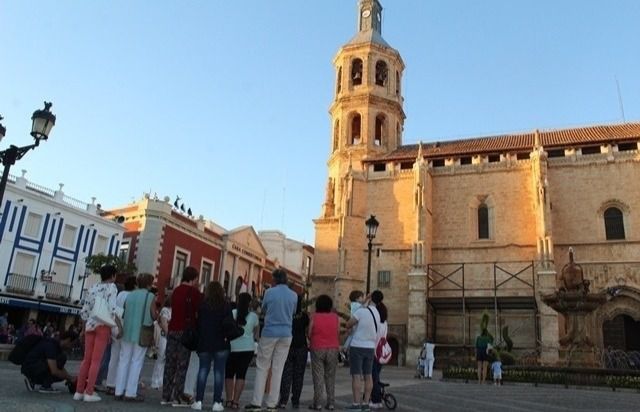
(412, 395)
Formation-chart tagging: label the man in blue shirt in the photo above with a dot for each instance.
(278, 306)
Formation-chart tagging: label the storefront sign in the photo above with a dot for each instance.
(34, 304)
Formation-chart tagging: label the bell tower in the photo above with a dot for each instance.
(367, 120)
(366, 113)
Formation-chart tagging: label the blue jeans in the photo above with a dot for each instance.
(376, 391)
(219, 360)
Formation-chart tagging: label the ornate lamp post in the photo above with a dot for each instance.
(43, 121)
(372, 227)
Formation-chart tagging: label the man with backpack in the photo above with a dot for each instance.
(43, 360)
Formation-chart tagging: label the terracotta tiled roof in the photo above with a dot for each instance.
(519, 142)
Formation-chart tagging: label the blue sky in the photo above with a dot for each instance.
(224, 103)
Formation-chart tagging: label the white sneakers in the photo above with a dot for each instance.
(217, 406)
(197, 405)
(90, 398)
(78, 396)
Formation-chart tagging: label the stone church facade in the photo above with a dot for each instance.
(474, 225)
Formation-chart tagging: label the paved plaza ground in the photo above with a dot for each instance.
(412, 395)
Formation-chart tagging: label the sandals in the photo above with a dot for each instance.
(232, 405)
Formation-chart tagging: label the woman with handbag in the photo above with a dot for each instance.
(242, 350)
(139, 313)
(99, 314)
(212, 344)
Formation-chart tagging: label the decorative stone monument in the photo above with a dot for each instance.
(574, 302)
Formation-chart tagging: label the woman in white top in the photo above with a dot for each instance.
(129, 286)
(161, 345)
(96, 334)
(376, 391)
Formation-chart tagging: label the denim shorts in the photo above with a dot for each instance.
(360, 360)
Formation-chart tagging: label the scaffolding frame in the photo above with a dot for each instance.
(448, 288)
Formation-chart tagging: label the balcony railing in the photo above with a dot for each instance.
(17, 283)
(57, 291)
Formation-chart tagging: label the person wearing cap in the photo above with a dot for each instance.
(279, 305)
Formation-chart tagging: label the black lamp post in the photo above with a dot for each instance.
(43, 121)
(372, 227)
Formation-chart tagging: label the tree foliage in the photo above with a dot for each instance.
(95, 262)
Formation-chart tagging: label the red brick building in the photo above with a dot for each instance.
(160, 239)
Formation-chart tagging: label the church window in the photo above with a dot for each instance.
(339, 81)
(627, 146)
(406, 165)
(556, 153)
(382, 72)
(466, 160)
(438, 162)
(398, 133)
(355, 129)
(522, 156)
(483, 222)
(379, 167)
(336, 135)
(356, 72)
(379, 132)
(384, 278)
(397, 83)
(614, 223)
(494, 158)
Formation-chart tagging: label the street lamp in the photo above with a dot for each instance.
(43, 121)
(372, 227)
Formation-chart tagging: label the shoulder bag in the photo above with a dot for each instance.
(230, 328)
(189, 337)
(146, 332)
(100, 311)
(383, 351)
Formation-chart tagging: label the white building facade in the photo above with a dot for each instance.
(45, 237)
(289, 253)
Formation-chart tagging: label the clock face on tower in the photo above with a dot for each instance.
(366, 13)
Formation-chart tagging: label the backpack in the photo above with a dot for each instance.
(22, 348)
(383, 351)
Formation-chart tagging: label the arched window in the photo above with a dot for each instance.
(380, 129)
(339, 80)
(356, 72)
(398, 133)
(614, 223)
(336, 135)
(397, 83)
(225, 283)
(355, 129)
(382, 72)
(483, 222)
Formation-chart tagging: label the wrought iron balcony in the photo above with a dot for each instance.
(57, 291)
(17, 283)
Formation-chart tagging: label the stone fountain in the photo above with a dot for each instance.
(573, 300)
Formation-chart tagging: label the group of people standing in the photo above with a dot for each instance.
(224, 334)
